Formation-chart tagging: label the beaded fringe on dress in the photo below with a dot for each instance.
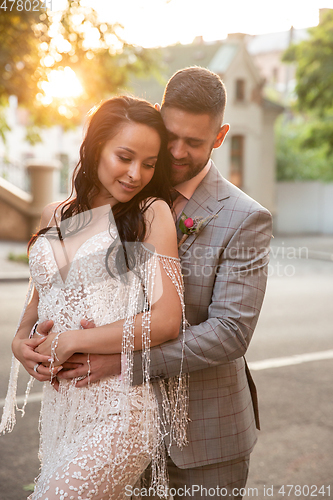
(139, 296)
(8, 419)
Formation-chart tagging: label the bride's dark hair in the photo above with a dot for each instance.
(105, 121)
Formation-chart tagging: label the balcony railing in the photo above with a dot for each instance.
(15, 173)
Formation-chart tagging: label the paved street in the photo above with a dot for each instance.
(18, 450)
(295, 445)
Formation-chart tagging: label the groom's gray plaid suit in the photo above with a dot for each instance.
(224, 268)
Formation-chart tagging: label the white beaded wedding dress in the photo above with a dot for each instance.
(98, 439)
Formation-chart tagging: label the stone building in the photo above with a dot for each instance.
(247, 157)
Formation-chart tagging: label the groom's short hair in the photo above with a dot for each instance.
(196, 90)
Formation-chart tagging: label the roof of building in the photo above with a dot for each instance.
(216, 56)
(223, 58)
(275, 42)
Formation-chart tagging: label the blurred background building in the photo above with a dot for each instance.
(260, 87)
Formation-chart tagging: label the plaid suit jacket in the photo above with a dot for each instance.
(224, 269)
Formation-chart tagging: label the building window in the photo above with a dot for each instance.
(237, 160)
(240, 90)
(275, 74)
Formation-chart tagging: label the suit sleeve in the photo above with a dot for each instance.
(236, 300)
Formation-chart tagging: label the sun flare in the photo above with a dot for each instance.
(61, 87)
(62, 84)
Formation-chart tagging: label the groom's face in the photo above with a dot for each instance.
(191, 140)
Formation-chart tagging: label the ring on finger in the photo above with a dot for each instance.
(36, 367)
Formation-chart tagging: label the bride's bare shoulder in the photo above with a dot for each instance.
(48, 215)
(156, 207)
(161, 230)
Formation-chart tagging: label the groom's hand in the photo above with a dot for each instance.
(100, 366)
(44, 327)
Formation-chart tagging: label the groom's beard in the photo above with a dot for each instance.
(185, 169)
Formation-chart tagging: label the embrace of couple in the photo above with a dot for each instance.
(127, 378)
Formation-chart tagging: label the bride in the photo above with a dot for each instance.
(108, 254)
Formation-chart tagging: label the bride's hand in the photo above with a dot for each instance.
(64, 345)
(26, 351)
(60, 344)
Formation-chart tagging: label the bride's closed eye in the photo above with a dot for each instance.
(127, 160)
(123, 158)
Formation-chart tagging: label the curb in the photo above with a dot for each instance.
(317, 255)
(311, 254)
(13, 279)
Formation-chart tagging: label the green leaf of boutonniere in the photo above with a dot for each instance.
(189, 226)
(182, 226)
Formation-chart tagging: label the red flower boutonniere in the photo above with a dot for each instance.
(189, 226)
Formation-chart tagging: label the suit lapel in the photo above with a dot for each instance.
(205, 202)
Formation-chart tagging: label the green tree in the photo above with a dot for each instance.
(314, 81)
(297, 158)
(314, 74)
(34, 44)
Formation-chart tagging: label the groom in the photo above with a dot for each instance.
(224, 269)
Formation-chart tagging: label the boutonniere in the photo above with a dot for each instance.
(189, 226)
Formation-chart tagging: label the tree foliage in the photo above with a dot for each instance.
(314, 73)
(314, 87)
(33, 44)
(299, 155)
(20, 36)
